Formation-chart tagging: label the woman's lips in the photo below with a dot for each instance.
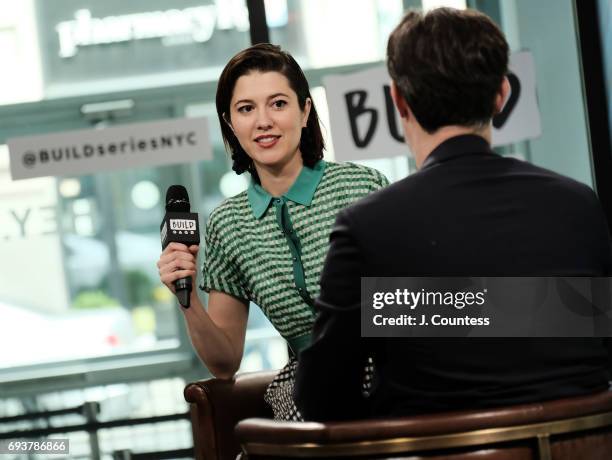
(267, 141)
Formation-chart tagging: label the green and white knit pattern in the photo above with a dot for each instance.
(249, 258)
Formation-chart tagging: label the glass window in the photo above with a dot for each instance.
(71, 47)
(21, 77)
(82, 281)
(118, 403)
(547, 29)
(312, 32)
(89, 246)
(82, 284)
(605, 26)
(325, 45)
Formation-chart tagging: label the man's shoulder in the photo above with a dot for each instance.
(411, 193)
(383, 201)
(551, 180)
(517, 172)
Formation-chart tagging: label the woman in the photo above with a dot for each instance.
(267, 244)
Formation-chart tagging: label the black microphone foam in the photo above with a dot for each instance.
(180, 226)
(177, 199)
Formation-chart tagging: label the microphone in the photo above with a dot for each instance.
(180, 226)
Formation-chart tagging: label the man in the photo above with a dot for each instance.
(466, 212)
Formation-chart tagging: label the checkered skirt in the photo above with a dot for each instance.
(279, 394)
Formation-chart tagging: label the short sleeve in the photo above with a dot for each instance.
(219, 272)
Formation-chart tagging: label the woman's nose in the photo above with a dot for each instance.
(263, 121)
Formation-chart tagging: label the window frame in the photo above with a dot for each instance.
(594, 95)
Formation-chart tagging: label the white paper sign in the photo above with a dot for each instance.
(29, 232)
(119, 147)
(366, 125)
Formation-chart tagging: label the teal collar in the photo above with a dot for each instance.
(301, 191)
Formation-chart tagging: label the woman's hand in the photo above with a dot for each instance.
(177, 261)
(217, 334)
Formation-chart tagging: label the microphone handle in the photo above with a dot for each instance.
(183, 291)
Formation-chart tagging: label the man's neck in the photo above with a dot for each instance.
(423, 143)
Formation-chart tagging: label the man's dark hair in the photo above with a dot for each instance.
(448, 65)
(265, 57)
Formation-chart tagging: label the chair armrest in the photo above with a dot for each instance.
(264, 438)
(217, 405)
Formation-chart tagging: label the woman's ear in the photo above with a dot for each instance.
(306, 112)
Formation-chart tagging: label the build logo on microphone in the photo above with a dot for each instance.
(183, 226)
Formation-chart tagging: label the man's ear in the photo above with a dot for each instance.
(399, 101)
(502, 95)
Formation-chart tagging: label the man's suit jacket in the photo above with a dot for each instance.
(467, 212)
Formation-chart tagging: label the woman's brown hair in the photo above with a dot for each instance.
(265, 57)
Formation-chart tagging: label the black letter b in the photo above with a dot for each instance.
(355, 101)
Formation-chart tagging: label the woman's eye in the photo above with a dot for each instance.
(245, 108)
(279, 104)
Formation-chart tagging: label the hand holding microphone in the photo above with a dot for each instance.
(177, 263)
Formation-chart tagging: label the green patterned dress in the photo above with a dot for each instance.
(270, 250)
